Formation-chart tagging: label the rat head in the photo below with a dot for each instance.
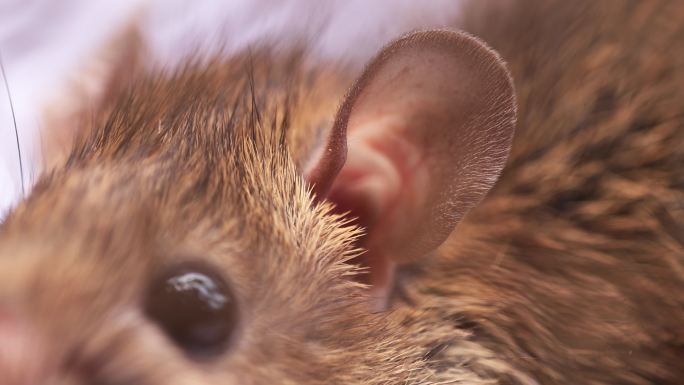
(187, 240)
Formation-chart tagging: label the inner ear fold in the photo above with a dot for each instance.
(428, 127)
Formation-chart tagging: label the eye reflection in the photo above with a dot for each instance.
(195, 308)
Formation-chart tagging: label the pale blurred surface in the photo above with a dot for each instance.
(44, 43)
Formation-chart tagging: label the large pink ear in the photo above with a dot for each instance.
(425, 131)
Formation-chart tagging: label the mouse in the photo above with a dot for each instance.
(501, 202)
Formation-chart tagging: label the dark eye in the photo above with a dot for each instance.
(195, 307)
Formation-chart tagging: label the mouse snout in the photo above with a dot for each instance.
(22, 360)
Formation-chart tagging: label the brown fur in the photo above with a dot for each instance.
(571, 271)
(159, 180)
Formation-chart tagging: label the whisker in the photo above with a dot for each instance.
(14, 120)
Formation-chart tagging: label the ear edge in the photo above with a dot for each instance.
(498, 118)
(334, 154)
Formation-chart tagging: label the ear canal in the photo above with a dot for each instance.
(428, 127)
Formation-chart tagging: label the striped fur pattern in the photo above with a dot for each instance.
(570, 271)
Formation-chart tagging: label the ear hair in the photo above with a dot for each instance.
(428, 127)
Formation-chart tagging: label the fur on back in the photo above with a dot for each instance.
(573, 267)
(570, 271)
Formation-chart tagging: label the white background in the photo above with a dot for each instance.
(43, 42)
